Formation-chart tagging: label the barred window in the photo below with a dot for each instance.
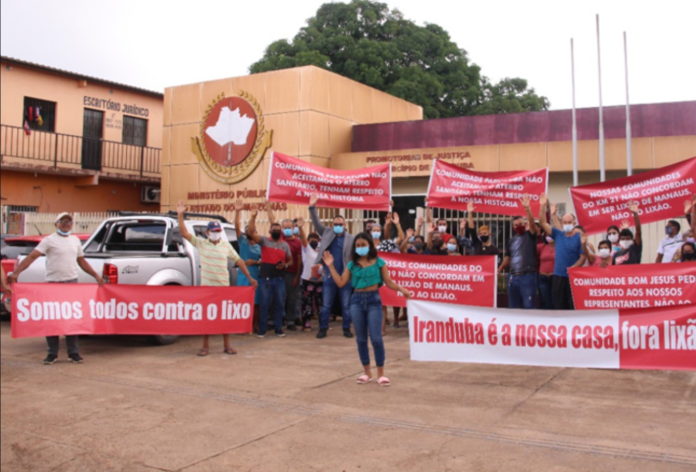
(39, 114)
(134, 131)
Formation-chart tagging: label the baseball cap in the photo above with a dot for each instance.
(214, 226)
(63, 215)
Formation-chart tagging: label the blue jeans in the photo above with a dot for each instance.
(271, 288)
(545, 292)
(522, 290)
(330, 291)
(366, 310)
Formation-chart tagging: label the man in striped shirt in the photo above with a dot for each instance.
(214, 253)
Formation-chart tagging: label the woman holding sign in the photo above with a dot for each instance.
(367, 273)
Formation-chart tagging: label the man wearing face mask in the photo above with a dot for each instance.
(569, 254)
(339, 243)
(312, 277)
(631, 247)
(214, 253)
(481, 244)
(64, 256)
(670, 244)
(521, 258)
(275, 260)
(293, 273)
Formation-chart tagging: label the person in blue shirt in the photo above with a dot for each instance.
(367, 273)
(569, 253)
(250, 252)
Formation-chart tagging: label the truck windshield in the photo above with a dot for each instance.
(147, 237)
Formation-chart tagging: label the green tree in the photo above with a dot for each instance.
(367, 42)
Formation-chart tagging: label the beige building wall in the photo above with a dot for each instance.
(310, 111)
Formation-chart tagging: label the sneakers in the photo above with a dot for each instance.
(50, 359)
(321, 334)
(261, 335)
(280, 333)
(292, 327)
(347, 333)
(75, 358)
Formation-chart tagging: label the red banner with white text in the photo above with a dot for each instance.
(660, 194)
(652, 338)
(292, 180)
(633, 286)
(60, 309)
(463, 280)
(491, 192)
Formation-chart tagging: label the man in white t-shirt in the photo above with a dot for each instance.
(671, 243)
(63, 257)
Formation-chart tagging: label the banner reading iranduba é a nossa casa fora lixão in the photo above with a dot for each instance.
(491, 192)
(633, 286)
(61, 309)
(652, 338)
(292, 180)
(660, 193)
(469, 280)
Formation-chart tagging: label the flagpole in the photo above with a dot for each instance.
(575, 128)
(629, 157)
(602, 171)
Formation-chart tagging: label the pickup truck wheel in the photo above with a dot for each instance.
(164, 339)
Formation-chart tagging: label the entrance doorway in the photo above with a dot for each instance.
(92, 134)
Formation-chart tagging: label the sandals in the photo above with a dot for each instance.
(383, 382)
(230, 351)
(203, 353)
(364, 379)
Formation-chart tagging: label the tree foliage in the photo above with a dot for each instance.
(367, 42)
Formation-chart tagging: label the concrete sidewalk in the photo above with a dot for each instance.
(292, 404)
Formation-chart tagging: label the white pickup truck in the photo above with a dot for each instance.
(143, 249)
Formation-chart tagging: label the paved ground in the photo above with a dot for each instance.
(292, 405)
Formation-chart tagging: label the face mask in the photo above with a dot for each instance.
(668, 231)
(451, 247)
(549, 239)
(604, 253)
(418, 246)
(442, 229)
(376, 234)
(338, 229)
(216, 236)
(520, 229)
(484, 239)
(613, 237)
(362, 251)
(626, 244)
(275, 235)
(688, 256)
(287, 232)
(568, 228)
(314, 244)
(64, 233)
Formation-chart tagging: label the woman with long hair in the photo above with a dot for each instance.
(367, 273)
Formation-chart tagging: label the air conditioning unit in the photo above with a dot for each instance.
(150, 195)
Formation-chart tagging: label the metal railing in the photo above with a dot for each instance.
(55, 149)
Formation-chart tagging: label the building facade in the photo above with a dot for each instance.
(75, 143)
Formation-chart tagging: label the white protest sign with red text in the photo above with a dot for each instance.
(491, 192)
(61, 309)
(469, 280)
(660, 193)
(633, 286)
(292, 180)
(654, 338)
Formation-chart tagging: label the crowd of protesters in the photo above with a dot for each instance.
(300, 275)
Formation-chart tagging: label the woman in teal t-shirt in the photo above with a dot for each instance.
(367, 273)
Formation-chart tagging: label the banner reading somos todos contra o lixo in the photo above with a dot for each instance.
(653, 338)
(62, 309)
(633, 286)
(491, 192)
(660, 194)
(292, 180)
(467, 280)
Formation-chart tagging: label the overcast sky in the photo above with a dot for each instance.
(155, 43)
